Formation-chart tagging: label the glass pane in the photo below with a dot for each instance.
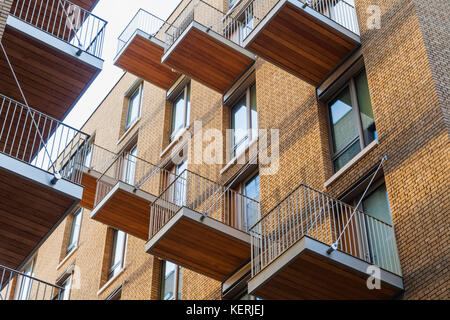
(180, 187)
(188, 105)
(365, 108)
(377, 205)
(248, 23)
(133, 107)
(253, 112)
(25, 283)
(168, 284)
(178, 116)
(74, 231)
(88, 158)
(117, 251)
(130, 166)
(180, 282)
(342, 121)
(66, 293)
(251, 190)
(239, 125)
(347, 156)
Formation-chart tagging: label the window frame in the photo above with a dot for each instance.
(186, 93)
(72, 246)
(177, 283)
(356, 115)
(18, 295)
(128, 122)
(249, 137)
(111, 269)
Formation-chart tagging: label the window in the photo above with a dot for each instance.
(116, 294)
(88, 155)
(66, 288)
(351, 120)
(74, 232)
(244, 121)
(129, 166)
(181, 109)
(251, 190)
(24, 283)
(117, 257)
(134, 107)
(171, 281)
(180, 186)
(238, 32)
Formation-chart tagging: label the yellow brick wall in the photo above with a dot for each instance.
(5, 7)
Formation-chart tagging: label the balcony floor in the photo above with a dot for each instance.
(208, 247)
(208, 57)
(125, 210)
(30, 208)
(141, 56)
(52, 76)
(306, 271)
(301, 41)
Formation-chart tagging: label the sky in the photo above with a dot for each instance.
(118, 13)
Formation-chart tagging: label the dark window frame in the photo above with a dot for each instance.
(177, 280)
(129, 122)
(185, 92)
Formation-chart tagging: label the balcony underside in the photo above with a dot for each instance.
(208, 58)
(208, 247)
(30, 208)
(51, 74)
(142, 56)
(301, 41)
(126, 210)
(306, 271)
(89, 180)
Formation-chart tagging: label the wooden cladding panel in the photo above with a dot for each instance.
(142, 57)
(89, 183)
(127, 212)
(28, 211)
(208, 60)
(202, 249)
(51, 80)
(301, 45)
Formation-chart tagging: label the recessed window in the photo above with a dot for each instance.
(66, 288)
(180, 114)
(134, 107)
(24, 283)
(117, 256)
(129, 166)
(351, 121)
(239, 30)
(250, 189)
(244, 121)
(74, 232)
(171, 281)
(88, 155)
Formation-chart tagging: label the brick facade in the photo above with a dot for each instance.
(407, 68)
(5, 7)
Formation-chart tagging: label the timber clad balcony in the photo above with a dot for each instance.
(202, 226)
(125, 191)
(291, 257)
(55, 50)
(97, 159)
(141, 47)
(205, 44)
(40, 175)
(308, 39)
(15, 285)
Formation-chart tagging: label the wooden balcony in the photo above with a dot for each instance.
(55, 62)
(201, 226)
(303, 40)
(204, 47)
(312, 246)
(124, 193)
(141, 50)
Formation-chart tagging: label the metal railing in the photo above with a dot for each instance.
(65, 21)
(147, 23)
(340, 11)
(16, 285)
(308, 212)
(208, 16)
(129, 169)
(40, 140)
(98, 158)
(197, 193)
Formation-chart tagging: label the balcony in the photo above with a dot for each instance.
(141, 47)
(205, 44)
(55, 49)
(291, 257)
(202, 226)
(39, 178)
(125, 191)
(97, 159)
(307, 39)
(15, 285)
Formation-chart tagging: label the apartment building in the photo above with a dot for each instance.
(271, 149)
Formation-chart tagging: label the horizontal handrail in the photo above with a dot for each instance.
(210, 17)
(65, 21)
(340, 11)
(309, 212)
(15, 285)
(40, 140)
(205, 196)
(98, 158)
(134, 171)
